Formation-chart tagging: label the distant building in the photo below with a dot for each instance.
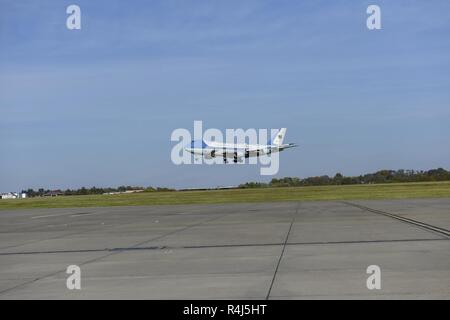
(10, 195)
(53, 193)
(126, 191)
(213, 188)
(13, 195)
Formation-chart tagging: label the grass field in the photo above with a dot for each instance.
(374, 191)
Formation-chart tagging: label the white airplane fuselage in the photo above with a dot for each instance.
(212, 149)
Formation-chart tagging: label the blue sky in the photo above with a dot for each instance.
(97, 106)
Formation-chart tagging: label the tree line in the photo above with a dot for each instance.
(382, 176)
(90, 191)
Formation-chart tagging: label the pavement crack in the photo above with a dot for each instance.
(282, 252)
(422, 225)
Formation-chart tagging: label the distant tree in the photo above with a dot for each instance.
(382, 176)
(337, 178)
(253, 185)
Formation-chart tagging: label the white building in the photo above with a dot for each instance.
(10, 195)
(13, 195)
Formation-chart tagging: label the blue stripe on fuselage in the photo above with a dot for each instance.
(198, 144)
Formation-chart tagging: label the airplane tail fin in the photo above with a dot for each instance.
(279, 137)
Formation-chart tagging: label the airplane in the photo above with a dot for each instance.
(212, 149)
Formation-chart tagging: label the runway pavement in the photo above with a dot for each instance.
(290, 250)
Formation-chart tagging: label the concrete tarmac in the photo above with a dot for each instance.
(289, 250)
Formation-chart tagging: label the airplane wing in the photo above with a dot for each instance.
(287, 146)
